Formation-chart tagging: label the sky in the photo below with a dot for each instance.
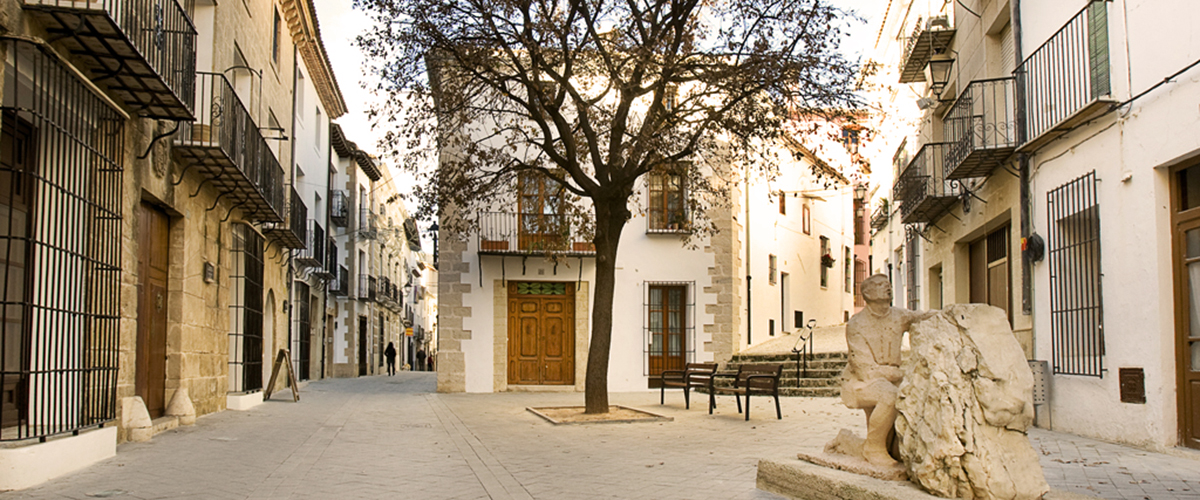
(340, 24)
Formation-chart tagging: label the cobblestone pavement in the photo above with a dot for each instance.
(391, 437)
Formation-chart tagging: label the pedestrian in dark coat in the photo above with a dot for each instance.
(421, 360)
(390, 354)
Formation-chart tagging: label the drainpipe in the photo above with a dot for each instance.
(328, 235)
(1025, 199)
(292, 173)
(749, 315)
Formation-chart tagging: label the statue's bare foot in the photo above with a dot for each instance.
(878, 456)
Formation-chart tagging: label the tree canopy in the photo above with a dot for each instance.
(593, 95)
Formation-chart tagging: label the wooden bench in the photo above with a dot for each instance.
(761, 378)
(693, 375)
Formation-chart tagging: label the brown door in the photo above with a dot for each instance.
(17, 154)
(541, 339)
(152, 308)
(990, 276)
(1186, 242)
(362, 345)
(667, 326)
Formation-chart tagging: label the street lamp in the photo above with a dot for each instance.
(860, 191)
(937, 72)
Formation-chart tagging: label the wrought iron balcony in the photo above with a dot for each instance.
(293, 233)
(981, 128)
(339, 207)
(929, 37)
(225, 146)
(366, 224)
(340, 286)
(881, 215)
(924, 192)
(328, 270)
(367, 288)
(412, 234)
(1067, 80)
(313, 253)
(509, 233)
(142, 51)
(385, 291)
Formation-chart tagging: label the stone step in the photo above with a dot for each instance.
(793, 382)
(165, 423)
(780, 357)
(836, 366)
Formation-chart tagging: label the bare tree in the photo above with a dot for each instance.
(592, 95)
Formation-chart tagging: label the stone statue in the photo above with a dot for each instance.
(872, 377)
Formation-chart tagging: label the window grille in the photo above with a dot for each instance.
(913, 265)
(1076, 308)
(824, 268)
(245, 310)
(302, 331)
(773, 268)
(60, 235)
(847, 271)
(668, 325)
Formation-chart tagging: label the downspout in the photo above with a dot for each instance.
(329, 234)
(1026, 197)
(292, 178)
(749, 315)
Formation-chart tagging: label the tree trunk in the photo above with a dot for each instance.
(611, 216)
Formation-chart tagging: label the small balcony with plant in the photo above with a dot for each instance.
(923, 191)
(513, 233)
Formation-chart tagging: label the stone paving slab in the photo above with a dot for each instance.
(392, 437)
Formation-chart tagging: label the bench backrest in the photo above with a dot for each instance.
(772, 369)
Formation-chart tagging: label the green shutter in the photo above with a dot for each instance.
(1098, 48)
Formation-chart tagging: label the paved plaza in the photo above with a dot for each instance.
(393, 437)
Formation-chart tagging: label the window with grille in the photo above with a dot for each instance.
(667, 212)
(1076, 308)
(302, 329)
(825, 257)
(912, 267)
(847, 272)
(772, 268)
(669, 325)
(245, 310)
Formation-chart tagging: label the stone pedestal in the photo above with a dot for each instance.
(135, 424)
(181, 407)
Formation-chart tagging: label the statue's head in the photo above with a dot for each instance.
(877, 288)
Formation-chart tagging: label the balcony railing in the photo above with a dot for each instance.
(929, 37)
(340, 285)
(924, 192)
(313, 253)
(1067, 80)
(292, 233)
(328, 270)
(385, 291)
(879, 218)
(981, 128)
(143, 50)
(339, 207)
(225, 146)
(366, 224)
(367, 288)
(529, 234)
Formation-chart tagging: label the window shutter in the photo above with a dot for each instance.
(1098, 49)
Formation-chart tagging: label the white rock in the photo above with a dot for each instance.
(964, 406)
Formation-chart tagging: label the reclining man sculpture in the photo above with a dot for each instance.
(872, 376)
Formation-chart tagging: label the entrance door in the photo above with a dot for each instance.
(541, 333)
(1186, 242)
(362, 345)
(152, 308)
(17, 155)
(990, 276)
(667, 327)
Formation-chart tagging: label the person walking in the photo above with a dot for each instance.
(421, 360)
(390, 354)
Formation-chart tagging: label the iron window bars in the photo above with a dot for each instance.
(923, 190)
(513, 234)
(980, 128)
(226, 146)
(246, 310)
(668, 325)
(339, 207)
(1076, 304)
(313, 252)
(60, 237)
(1067, 78)
(302, 330)
(143, 50)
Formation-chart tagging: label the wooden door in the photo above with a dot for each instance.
(17, 164)
(667, 324)
(541, 333)
(362, 345)
(1187, 243)
(150, 382)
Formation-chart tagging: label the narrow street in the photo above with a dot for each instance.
(393, 437)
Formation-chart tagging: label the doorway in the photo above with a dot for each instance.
(153, 248)
(362, 346)
(1186, 251)
(667, 325)
(989, 271)
(541, 333)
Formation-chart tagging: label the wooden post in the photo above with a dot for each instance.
(284, 359)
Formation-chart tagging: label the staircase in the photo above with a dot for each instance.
(822, 381)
